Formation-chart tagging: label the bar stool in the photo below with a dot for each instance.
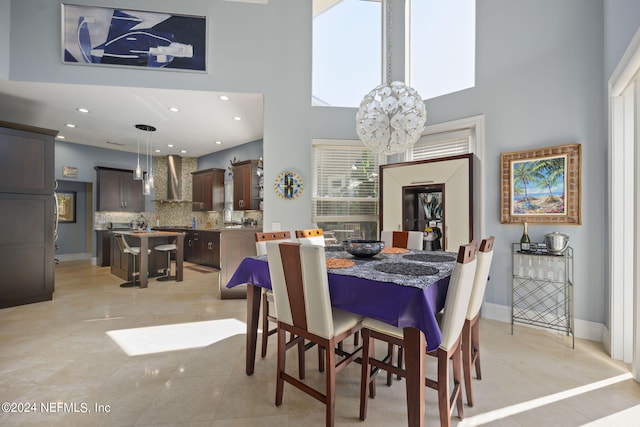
(134, 251)
(168, 248)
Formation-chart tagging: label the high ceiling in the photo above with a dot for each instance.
(203, 118)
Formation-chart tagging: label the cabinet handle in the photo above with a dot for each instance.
(209, 245)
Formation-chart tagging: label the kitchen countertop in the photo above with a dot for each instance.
(213, 228)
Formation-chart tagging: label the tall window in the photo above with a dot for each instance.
(348, 54)
(442, 46)
(345, 189)
(347, 46)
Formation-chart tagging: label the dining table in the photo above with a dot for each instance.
(404, 288)
(144, 237)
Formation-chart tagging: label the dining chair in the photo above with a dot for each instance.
(267, 295)
(313, 236)
(452, 321)
(471, 328)
(301, 290)
(402, 239)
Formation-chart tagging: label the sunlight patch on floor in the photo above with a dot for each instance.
(158, 339)
(621, 418)
(508, 411)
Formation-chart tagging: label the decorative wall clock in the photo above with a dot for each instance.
(288, 185)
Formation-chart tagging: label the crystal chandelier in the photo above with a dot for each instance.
(392, 116)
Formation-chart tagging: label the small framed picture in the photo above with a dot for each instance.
(66, 206)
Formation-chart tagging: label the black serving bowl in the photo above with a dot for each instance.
(363, 248)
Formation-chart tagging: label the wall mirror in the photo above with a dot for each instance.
(445, 183)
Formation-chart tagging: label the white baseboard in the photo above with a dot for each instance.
(584, 329)
(73, 257)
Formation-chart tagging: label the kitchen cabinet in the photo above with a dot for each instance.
(27, 204)
(118, 191)
(203, 247)
(208, 190)
(246, 185)
(235, 244)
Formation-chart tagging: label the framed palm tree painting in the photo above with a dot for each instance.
(541, 186)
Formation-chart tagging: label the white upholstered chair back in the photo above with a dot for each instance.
(458, 296)
(270, 236)
(313, 237)
(300, 286)
(484, 256)
(402, 239)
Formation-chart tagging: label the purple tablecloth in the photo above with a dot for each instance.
(397, 305)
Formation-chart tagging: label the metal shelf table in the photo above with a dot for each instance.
(542, 290)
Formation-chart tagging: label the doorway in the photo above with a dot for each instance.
(624, 232)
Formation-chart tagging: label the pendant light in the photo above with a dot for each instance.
(148, 183)
(137, 173)
(392, 116)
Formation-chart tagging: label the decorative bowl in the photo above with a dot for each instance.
(363, 248)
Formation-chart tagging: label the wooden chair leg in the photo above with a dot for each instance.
(391, 351)
(265, 324)
(475, 346)
(301, 358)
(330, 384)
(467, 351)
(457, 382)
(444, 405)
(365, 377)
(282, 349)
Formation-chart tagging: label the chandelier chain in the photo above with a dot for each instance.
(388, 37)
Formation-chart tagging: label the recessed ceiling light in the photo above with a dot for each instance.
(157, 150)
(70, 125)
(224, 97)
(237, 118)
(82, 110)
(61, 137)
(183, 151)
(170, 145)
(219, 142)
(173, 109)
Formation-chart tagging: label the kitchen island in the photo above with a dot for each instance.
(143, 237)
(222, 248)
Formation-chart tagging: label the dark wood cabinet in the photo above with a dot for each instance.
(202, 247)
(118, 191)
(208, 190)
(246, 187)
(28, 214)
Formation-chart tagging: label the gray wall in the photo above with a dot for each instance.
(540, 76)
(72, 235)
(222, 159)
(5, 28)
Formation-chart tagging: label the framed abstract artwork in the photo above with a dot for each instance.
(541, 186)
(123, 37)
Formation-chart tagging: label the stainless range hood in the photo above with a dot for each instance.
(174, 181)
(174, 177)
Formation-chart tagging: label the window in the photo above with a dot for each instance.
(347, 46)
(345, 189)
(443, 144)
(348, 53)
(442, 46)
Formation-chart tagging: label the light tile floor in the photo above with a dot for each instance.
(57, 360)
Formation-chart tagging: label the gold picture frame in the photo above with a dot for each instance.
(541, 186)
(66, 206)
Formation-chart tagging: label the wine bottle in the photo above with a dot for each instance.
(525, 242)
